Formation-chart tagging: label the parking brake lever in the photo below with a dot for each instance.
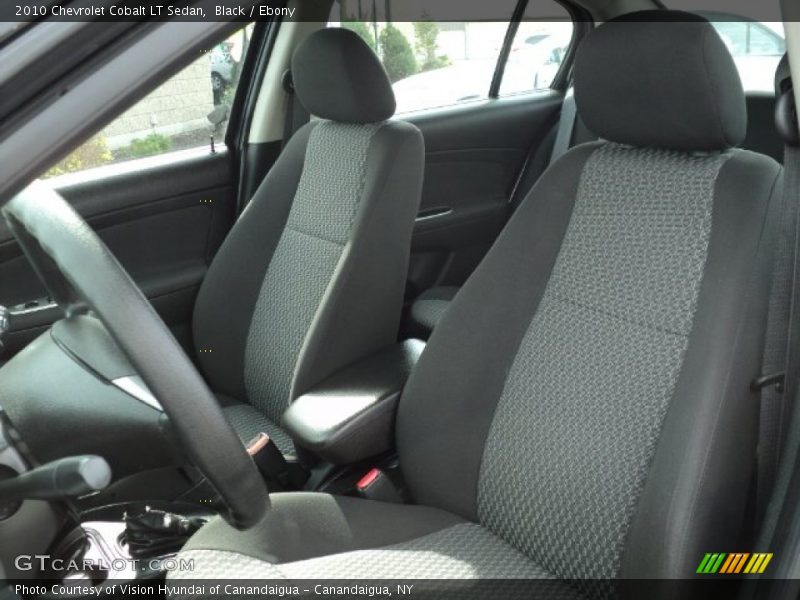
(70, 476)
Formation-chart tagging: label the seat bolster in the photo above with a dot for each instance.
(360, 313)
(221, 320)
(303, 525)
(461, 374)
(695, 498)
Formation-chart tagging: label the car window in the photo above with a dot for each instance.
(540, 45)
(434, 64)
(753, 33)
(182, 114)
(745, 38)
(756, 48)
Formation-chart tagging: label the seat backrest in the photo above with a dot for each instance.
(587, 396)
(312, 275)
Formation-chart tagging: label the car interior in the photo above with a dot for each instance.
(535, 336)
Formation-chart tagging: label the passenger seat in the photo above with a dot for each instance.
(311, 277)
(429, 307)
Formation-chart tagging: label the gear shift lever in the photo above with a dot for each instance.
(154, 533)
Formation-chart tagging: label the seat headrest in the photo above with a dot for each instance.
(337, 76)
(660, 79)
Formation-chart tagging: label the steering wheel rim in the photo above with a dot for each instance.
(79, 270)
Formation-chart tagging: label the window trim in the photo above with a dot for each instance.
(505, 49)
(240, 119)
(582, 24)
(249, 82)
(135, 165)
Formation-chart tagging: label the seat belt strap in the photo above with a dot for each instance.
(783, 438)
(781, 358)
(778, 341)
(296, 115)
(562, 143)
(566, 126)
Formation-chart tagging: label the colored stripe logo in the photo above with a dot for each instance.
(734, 563)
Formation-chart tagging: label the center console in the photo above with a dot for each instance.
(350, 416)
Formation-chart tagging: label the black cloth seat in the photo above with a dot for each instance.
(311, 277)
(583, 411)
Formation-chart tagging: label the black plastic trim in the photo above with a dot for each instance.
(582, 24)
(505, 50)
(258, 57)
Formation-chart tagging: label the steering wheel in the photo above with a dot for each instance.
(80, 273)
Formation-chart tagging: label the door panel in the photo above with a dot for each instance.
(164, 224)
(473, 156)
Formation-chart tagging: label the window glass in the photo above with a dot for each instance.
(434, 64)
(539, 48)
(751, 30)
(764, 40)
(179, 115)
(756, 48)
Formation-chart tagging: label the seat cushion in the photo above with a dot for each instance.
(318, 536)
(304, 525)
(249, 422)
(463, 551)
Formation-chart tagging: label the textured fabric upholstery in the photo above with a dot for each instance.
(679, 90)
(318, 226)
(304, 525)
(465, 551)
(599, 361)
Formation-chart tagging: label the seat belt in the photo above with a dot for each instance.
(562, 143)
(566, 126)
(774, 384)
(296, 115)
(773, 497)
(781, 359)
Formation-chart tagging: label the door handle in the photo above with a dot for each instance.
(433, 213)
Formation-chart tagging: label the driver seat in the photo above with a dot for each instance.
(312, 275)
(583, 411)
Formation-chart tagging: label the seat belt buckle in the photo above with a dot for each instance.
(285, 474)
(270, 461)
(375, 484)
(776, 379)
